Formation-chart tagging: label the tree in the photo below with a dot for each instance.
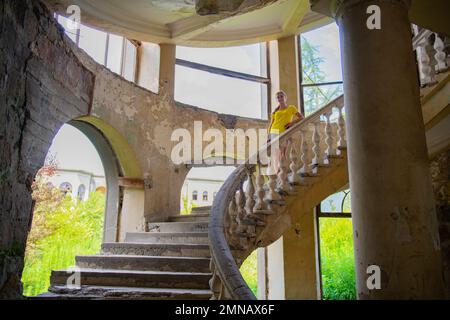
(315, 97)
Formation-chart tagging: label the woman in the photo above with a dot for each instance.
(283, 118)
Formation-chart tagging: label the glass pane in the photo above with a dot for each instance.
(72, 34)
(218, 93)
(337, 259)
(129, 66)
(115, 49)
(321, 55)
(245, 59)
(317, 97)
(94, 43)
(338, 202)
(149, 65)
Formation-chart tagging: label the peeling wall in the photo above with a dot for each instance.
(147, 121)
(45, 81)
(42, 86)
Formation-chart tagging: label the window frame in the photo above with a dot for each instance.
(318, 214)
(302, 86)
(106, 53)
(194, 195)
(265, 66)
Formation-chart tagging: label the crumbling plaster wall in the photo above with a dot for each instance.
(147, 121)
(42, 86)
(45, 81)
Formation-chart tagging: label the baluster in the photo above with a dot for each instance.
(214, 282)
(282, 183)
(294, 178)
(304, 170)
(342, 143)
(260, 205)
(272, 195)
(425, 70)
(440, 56)
(316, 147)
(232, 211)
(330, 152)
(244, 230)
(250, 194)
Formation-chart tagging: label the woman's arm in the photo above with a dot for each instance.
(297, 118)
(268, 130)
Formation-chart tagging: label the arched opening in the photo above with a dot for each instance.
(199, 190)
(199, 186)
(77, 203)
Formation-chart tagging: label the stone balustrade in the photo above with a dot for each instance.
(431, 54)
(255, 195)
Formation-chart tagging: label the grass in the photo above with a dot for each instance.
(249, 272)
(337, 259)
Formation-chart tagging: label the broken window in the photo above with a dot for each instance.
(231, 80)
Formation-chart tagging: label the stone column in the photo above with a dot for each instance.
(284, 69)
(394, 215)
(167, 70)
(291, 261)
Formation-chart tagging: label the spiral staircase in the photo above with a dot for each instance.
(198, 256)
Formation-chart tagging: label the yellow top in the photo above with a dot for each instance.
(281, 118)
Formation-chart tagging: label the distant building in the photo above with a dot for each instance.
(200, 192)
(79, 183)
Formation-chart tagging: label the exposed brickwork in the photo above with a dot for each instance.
(42, 86)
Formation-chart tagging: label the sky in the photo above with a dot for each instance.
(327, 40)
(221, 94)
(73, 150)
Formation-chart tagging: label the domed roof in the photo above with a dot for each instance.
(182, 22)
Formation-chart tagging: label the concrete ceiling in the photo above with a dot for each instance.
(176, 21)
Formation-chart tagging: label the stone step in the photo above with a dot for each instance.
(143, 263)
(129, 293)
(172, 227)
(157, 249)
(127, 278)
(197, 210)
(198, 217)
(165, 237)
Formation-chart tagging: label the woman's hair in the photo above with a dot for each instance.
(284, 94)
(281, 91)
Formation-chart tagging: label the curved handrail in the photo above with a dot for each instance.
(227, 282)
(224, 267)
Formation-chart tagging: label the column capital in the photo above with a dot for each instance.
(335, 8)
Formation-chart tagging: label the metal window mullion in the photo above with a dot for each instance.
(222, 72)
(124, 55)
(106, 50)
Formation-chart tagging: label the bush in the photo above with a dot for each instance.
(62, 228)
(249, 272)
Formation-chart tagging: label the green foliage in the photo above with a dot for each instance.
(187, 206)
(249, 272)
(338, 263)
(62, 228)
(315, 97)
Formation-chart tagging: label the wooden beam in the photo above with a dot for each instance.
(223, 72)
(131, 183)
